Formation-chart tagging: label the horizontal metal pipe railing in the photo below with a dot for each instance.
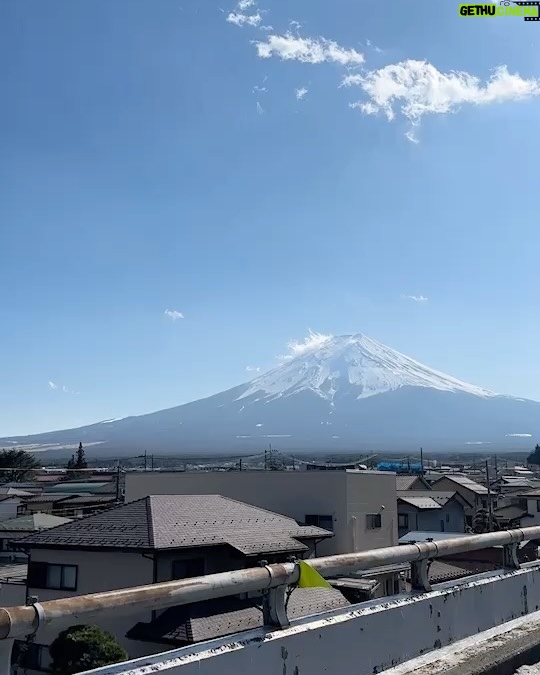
(24, 620)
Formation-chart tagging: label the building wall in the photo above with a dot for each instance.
(12, 594)
(8, 508)
(342, 494)
(451, 517)
(370, 494)
(100, 571)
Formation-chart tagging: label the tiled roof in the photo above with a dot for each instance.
(437, 496)
(440, 570)
(468, 483)
(406, 482)
(201, 621)
(511, 512)
(182, 521)
(424, 503)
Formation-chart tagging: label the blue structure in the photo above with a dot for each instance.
(400, 467)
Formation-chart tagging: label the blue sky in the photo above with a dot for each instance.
(164, 156)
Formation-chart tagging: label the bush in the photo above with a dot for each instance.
(82, 648)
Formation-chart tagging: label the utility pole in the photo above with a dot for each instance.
(152, 462)
(145, 464)
(118, 480)
(490, 504)
(240, 464)
(422, 461)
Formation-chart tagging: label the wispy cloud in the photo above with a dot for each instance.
(259, 90)
(415, 298)
(291, 47)
(240, 18)
(311, 342)
(519, 435)
(374, 47)
(253, 369)
(173, 314)
(260, 109)
(300, 93)
(414, 89)
(61, 387)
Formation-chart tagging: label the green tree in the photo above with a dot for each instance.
(82, 648)
(534, 457)
(17, 466)
(80, 462)
(76, 463)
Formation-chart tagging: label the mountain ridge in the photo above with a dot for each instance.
(334, 393)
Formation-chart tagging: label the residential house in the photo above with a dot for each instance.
(411, 483)
(154, 539)
(522, 509)
(476, 495)
(430, 511)
(358, 506)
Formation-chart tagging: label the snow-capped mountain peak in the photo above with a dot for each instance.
(354, 364)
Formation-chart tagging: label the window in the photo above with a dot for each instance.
(326, 522)
(58, 577)
(374, 521)
(30, 655)
(447, 517)
(403, 520)
(185, 569)
(538, 505)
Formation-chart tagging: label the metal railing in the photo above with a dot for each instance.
(271, 580)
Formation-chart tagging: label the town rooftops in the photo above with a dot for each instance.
(181, 521)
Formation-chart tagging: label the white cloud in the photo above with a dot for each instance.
(239, 19)
(253, 369)
(290, 47)
(374, 47)
(260, 109)
(173, 314)
(519, 435)
(310, 343)
(58, 387)
(415, 298)
(259, 90)
(417, 88)
(245, 4)
(300, 93)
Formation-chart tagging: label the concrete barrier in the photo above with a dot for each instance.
(364, 639)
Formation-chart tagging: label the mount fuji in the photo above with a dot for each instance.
(335, 394)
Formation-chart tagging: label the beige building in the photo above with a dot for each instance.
(360, 507)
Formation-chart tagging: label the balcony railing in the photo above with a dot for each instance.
(271, 580)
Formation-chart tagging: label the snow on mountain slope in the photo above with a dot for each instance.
(357, 363)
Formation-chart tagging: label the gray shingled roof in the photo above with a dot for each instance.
(182, 521)
(188, 624)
